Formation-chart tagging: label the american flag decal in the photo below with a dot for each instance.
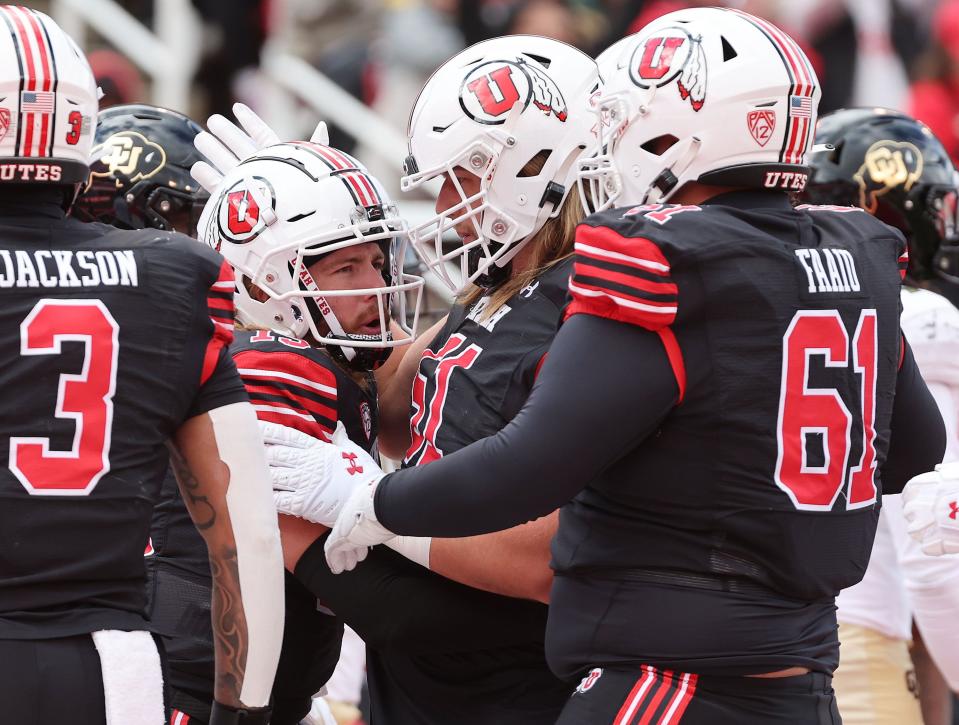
(36, 102)
(800, 106)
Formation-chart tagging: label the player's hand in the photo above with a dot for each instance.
(225, 144)
(312, 479)
(931, 507)
(356, 529)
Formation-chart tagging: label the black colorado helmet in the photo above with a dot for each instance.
(140, 171)
(892, 166)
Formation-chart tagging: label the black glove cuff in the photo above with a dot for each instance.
(224, 715)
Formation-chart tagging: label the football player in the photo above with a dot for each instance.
(156, 190)
(116, 349)
(714, 415)
(892, 166)
(500, 126)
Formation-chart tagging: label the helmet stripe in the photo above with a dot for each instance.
(800, 75)
(348, 169)
(5, 14)
(28, 83)
(44, 147)
(50, 83)
(334, 166)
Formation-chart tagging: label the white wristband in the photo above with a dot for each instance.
(414, 548)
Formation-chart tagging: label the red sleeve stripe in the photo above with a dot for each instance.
(607, 243)
(320, 408)
(665, 312)
(222, 320)
(675, 355)
(585, 271)
(903, 263)
(278, 375)
(902, 350)
(283, 416)
(649, 265)
(600, 304)
(539, 365)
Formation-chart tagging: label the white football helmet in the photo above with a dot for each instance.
(48, 101)
(490, 110)
(283, 207)
(705, 94)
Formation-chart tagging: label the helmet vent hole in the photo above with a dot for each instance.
(728, 51)
(660, 145)
(543, 61)
(534, 167)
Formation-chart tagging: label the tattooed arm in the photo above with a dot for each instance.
(218, 461)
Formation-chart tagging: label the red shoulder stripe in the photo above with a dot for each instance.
(222, 321)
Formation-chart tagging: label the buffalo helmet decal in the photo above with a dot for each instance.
(886, 166)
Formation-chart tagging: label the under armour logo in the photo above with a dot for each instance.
(529, 289)
(953, 509)
(353, 469)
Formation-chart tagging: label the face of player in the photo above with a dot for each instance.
(450, 197)
(356, 267)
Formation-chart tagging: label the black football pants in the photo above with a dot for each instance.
(51, 681)
(651, 697)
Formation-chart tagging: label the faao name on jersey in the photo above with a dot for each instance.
(829, 270)
(62, 268)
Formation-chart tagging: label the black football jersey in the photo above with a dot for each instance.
(478, 371)
(472, 380)
(109, 340)
(292, 384)
(782, 329)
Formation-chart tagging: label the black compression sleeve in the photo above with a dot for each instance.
(918, 436)
(393, 603)
(568, 432)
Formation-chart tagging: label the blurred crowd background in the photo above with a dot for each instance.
(898, 53)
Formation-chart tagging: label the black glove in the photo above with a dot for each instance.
(224, 715)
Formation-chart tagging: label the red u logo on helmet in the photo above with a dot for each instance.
(495, 91)
(658, 56)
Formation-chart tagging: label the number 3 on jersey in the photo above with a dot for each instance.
(427, 419)
(85, 397)
(806, 411)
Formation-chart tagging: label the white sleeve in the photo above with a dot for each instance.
(259, 555)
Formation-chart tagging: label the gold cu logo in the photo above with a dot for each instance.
(128, 155)
(888, 165)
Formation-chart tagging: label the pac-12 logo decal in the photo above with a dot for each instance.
(127, 156)
(587, 682)
(4, 122)
(667, 55)
(761, 124)
(887, 165)
(491, 89)
(240, 217)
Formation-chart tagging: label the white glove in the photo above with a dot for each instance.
(312, 479)
(226, 144)
(931, 506)
(356, 529)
